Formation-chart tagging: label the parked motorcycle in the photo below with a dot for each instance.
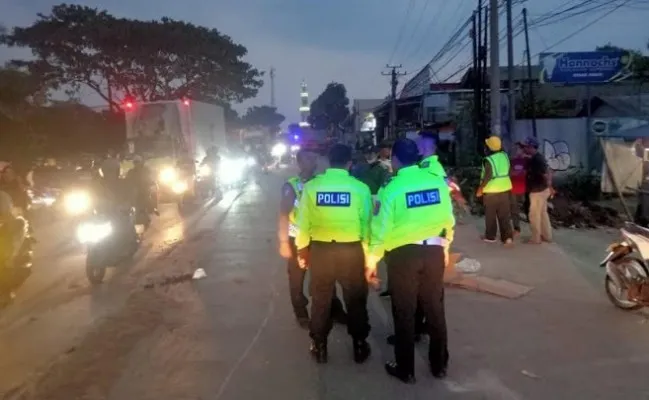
(627, 268)
(15, 267)
(110, 238)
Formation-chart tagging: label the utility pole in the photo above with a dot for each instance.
(394, 82)
(475, 73)
(511, 109)
(484, 88)
(495, 68)
(272, 87)
(479, 81)
(531, 98)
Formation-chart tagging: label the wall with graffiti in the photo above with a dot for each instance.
(563, 142)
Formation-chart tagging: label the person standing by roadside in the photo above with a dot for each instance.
(286, 232)
(518, 176)
(539, 186)
(333, 223)
(413, 224)
(496, 188)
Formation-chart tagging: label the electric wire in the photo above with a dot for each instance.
(401, 30)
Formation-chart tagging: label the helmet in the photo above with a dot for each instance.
(110, 168)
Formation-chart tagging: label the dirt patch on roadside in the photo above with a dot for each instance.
(89, 370)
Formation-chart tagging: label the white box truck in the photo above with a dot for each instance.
(165, 131)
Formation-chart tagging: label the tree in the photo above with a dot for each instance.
(263, 117)
(77, 46)
(19, 91)
(640, 63)
(330, 108)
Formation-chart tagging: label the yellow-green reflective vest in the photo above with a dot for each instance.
(297, 185)
(500, 181)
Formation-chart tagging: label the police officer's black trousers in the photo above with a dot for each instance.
(343, 263)
(416, 274)
(296, 288)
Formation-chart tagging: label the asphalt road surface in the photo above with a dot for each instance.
(149, 332)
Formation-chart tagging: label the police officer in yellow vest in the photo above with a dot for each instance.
(413, 223)
(286, 232)
(495, 187)
(333, 218)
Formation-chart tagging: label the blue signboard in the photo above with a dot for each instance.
(585, 67)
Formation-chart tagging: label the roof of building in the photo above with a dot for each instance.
(625, 106)
(520, 74)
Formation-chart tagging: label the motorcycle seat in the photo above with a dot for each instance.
(636, 229)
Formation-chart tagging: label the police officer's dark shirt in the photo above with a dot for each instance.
(536, 170)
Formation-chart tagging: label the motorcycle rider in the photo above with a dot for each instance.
(114, 198)
(212, 158)
(141, 179)
(11, 184)
(12, 237)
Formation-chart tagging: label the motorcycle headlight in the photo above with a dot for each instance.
(232, 170)
(204, 171)
(179, 187)
(168, 175)
(250, 162)
(94, 232)
(278, 150)
(78, 202)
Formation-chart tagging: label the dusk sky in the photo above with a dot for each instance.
(348, 41)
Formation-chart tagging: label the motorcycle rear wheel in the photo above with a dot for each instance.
(95, 271)
(617, 298)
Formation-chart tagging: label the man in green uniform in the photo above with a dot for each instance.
(286, 232)
(413, 224)
(427, 145)
(378, 170)
(333, 218)
(496, 187)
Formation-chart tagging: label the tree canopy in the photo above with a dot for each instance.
(263, 117)
(330, 108)
(165, 59)
(640, 63)
(19, 91)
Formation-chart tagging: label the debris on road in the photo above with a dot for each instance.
(170, 280)
(468, 266)
(582, 214)
(530, 374)
(199, 274)
(497, 287)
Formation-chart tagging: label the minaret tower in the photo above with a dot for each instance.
(304, 105)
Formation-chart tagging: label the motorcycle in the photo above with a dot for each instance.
(109, 240)
(206, 185)
(15, 268)
(627, 269)
(178, 185)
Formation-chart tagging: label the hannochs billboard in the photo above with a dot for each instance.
(585, 67)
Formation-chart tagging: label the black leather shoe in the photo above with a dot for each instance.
(385, 293)
(319, 352)
(362, 351)
(392, 339)
(393, 370)
(439, 373)
(340, 317)
(303, 322)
